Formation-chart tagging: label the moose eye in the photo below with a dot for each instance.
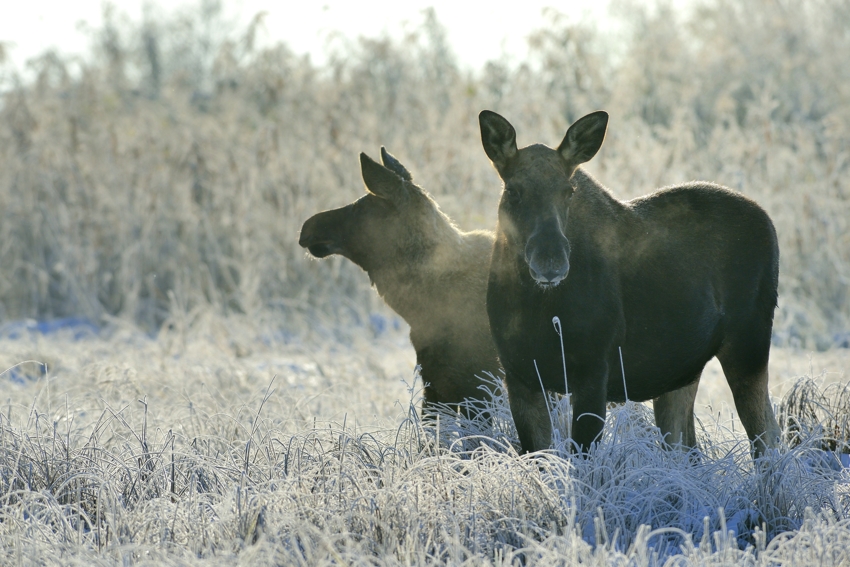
(513, 196)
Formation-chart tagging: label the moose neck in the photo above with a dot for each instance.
(446, 284)
(406, 284)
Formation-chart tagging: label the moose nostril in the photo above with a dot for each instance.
(552, 276)
(549, 273)
(548, 278)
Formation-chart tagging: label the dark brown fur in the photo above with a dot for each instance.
(428, 271)
(674, 278)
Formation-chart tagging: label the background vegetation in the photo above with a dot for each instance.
(171, 170)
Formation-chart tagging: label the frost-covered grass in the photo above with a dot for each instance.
(230, 443)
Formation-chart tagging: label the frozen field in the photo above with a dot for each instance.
(227, 442)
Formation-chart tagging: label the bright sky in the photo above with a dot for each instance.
(478, 31)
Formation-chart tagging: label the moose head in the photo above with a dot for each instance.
(535, 205)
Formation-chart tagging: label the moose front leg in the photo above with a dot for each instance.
(531, 416)
(429, 405)
(588, 412)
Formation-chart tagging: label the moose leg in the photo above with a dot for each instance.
(749, 389)
(476, 410)
(588, 415)
(429, 408)
(674, 416)
(531, 416)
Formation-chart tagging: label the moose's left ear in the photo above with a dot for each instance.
(380, 181)
(584, 138)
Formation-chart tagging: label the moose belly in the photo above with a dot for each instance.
(666, 345)
(662, 350)
(649, 374)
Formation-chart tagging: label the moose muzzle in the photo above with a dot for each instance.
(547, 254)
(317, 236)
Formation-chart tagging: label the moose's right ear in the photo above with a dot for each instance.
(379, 180)
(498, 138)
(391, 163)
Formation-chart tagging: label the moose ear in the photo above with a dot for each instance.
(394, 165)
(498, 138)
(584, 138)
(379, 180)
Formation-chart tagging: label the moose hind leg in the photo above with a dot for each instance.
(674, 416)
(752, 400)
(531, 416)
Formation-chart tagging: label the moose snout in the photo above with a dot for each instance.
(549, 273)
(314, 239)
(548, 259)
